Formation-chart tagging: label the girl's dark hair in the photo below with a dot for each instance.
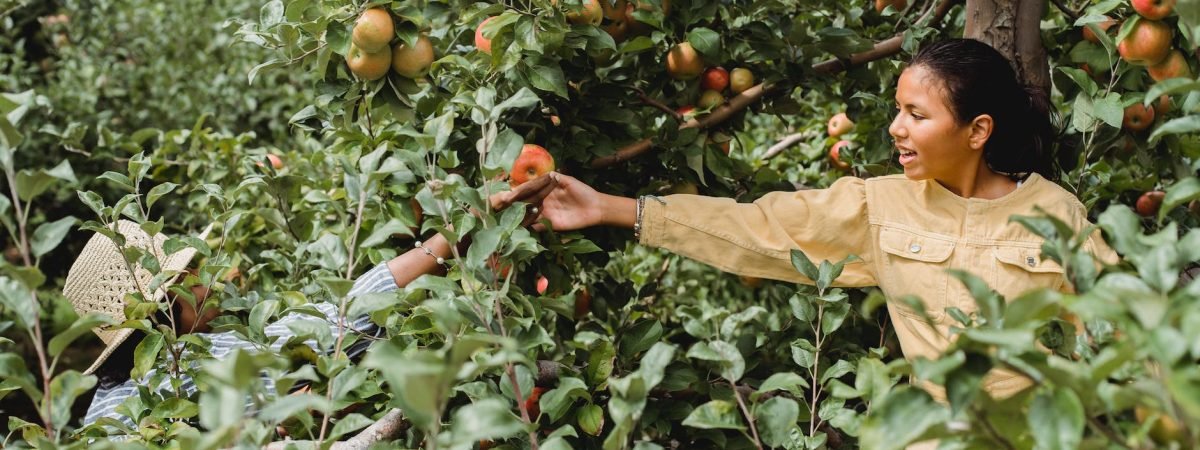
(979, 80)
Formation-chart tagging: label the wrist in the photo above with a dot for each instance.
(618, 211)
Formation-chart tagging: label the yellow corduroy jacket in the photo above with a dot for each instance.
(907, 234)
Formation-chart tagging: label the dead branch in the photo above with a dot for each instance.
(882, 49)
(387, 427)
(787, 142)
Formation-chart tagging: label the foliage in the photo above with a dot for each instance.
(669, 353)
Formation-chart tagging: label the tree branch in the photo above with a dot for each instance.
(882, 49)
(387, 427)
(1073, 15)
(657, 104)
(787, 142)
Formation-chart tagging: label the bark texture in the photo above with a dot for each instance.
(1013, 28)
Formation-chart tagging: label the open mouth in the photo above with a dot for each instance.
(906, 156)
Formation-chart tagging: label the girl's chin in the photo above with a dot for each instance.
(915, 174)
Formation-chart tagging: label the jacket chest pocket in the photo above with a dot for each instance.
(1020, 269)
(915, 265)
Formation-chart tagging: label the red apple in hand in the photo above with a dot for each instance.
(534, 162)
(1138, 117)
(1153, 9)
(1149, 203)
(839, 125)
(715, 78)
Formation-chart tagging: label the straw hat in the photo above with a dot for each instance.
(99, 279)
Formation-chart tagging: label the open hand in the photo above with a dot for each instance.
(572, 205)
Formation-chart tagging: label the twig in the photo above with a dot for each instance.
(1107, 432)
(1073, 15)
(749, 417)
(786, 142)
(657, 104)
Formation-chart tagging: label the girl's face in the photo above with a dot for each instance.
(932, 144)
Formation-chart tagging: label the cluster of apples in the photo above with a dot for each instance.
(684, 63)
(371, 53)
(1148, 44)
(839, 125)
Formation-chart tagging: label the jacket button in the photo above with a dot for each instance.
(916, 248)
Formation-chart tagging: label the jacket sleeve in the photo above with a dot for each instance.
(756, 239)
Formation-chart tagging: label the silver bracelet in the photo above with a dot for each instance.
(439, 259)
(637, 224)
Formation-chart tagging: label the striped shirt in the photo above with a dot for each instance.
(378, 279)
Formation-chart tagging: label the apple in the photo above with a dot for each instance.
(683, 62)
(1194, 207)
(589, 13)
(710, 99)
(369, 66)
(715, 78)
(839, 125)
(583, 303)
(12, 254)
(721, 140)
(636, 27)
(555, 120)
(531, 403)
(1147, 44)
(414, 61)
(1164, 431)
(373, 30)
(740, 80)
(1138, 117)
(1173, 66)
(835, 154)
(1149, 203)
(898, 5)
(486, 444)
(533, 162)
(542, 284)
(276, 161)
(1162, 106)
(1104, 26)
(482, 43)
(1153, 9)
(685, 110)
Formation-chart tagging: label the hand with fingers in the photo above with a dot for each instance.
(531, 192)
(574, 205)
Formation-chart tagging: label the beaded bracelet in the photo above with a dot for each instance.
(637, 224)
(438, 259)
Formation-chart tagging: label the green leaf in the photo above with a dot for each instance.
(549, 78)
(556, 402)
(727, 356)
(1109, 109)
(716, 414)
(591, 419)
(776, 418)
(901, 419)
(486, 419)
(804, 353)
(1181, 125)
(175, 408)
(82, 326)
(159, 191)
(802, 308)
(48, 235)
(1179, 193)
(641, 336)
(787, 381)
(804, 265)
(705, 41)
(64, 389)
(18, 302)
(1056, 419)
(146, 354)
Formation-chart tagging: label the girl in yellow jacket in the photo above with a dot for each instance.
(975, 147)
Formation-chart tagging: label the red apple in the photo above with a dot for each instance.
(1147, 44)
(1153, 9)
(482, 43)
(1104, 26)
(276, 162)
(373, 30)
(533, 162)
(531, 403)
(685, 110)
(715, 78)
(835, 154)
(583, 303)
(1138, 117)
(1162, 106)
(1149, 203)
(839, 125)
(740, 80)
(542, 284)
(1173, 66)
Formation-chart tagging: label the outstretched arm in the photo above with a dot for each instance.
(574, 205)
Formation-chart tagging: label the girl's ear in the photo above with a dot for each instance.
(981, 130)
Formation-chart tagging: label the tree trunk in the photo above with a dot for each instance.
(1013, 28)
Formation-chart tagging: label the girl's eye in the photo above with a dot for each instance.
(915, 116)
